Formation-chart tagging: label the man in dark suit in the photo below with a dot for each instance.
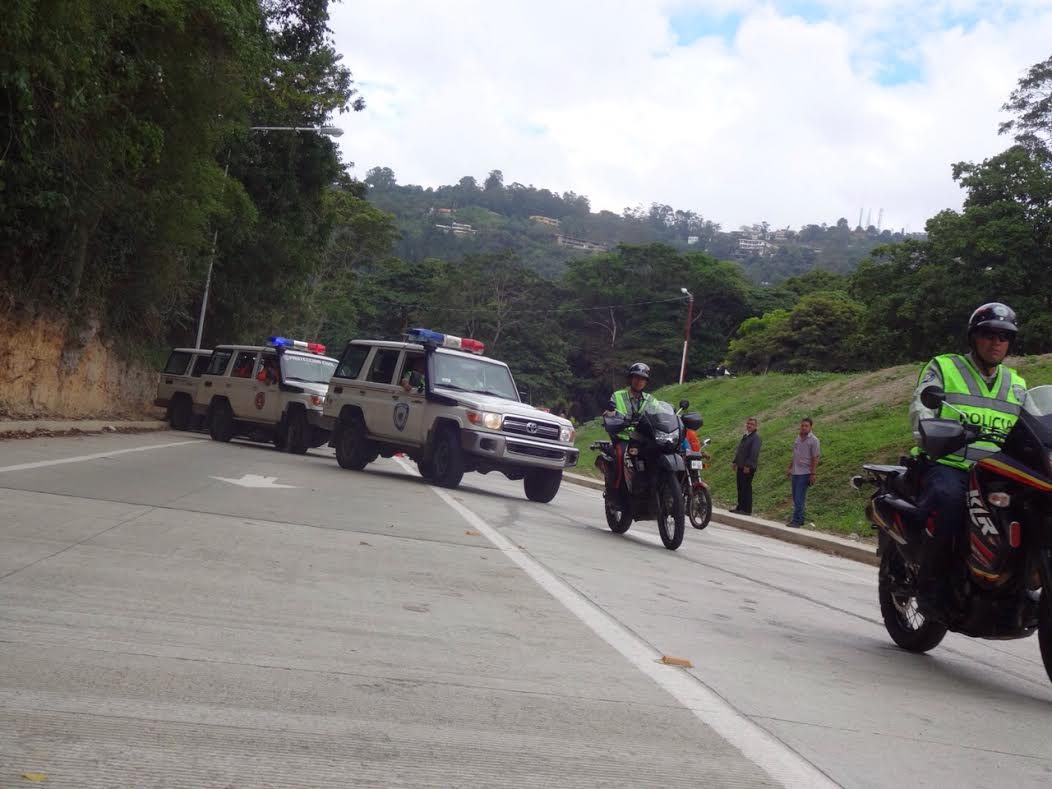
(746, 457)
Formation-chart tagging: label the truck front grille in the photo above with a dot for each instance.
(531, 427)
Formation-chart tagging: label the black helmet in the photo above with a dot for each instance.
(640, 369)
(994, 315)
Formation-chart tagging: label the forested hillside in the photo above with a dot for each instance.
(546, 229)
(132, 158)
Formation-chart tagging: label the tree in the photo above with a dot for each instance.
(494, 181)
(1031, 103)
(821, 332)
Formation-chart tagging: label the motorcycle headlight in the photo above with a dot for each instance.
(567, 435)
(485, 419)
(664, 438)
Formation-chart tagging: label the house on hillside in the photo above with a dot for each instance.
(545, 220)
(457, 229)
(577, 243)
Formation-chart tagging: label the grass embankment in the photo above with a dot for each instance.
(859, 418)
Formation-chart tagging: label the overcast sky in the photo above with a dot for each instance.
(789, 112)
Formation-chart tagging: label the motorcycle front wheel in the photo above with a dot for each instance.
(670, 511)
(906, 625)
(618, 512)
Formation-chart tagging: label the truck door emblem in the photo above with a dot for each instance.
(401, 416)
(261, 399)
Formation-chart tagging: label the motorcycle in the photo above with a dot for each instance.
(695, 489)
(643, 475)
(1002, 567)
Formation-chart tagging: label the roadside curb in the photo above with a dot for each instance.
(30, 427)
(826, 543)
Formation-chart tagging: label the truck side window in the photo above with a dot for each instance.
(352, 360)
(217, 365)
(243, 364)
(177, 363)
(200, 365)
(383, 369)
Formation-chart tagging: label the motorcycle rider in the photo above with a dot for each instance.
(630, 402)
(990, 395)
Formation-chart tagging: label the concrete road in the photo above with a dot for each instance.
(176, 612)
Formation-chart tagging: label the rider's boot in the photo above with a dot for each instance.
(934, 594)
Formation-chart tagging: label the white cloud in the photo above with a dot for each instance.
(785, 122)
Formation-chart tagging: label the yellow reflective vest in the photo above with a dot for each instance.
(993, 406)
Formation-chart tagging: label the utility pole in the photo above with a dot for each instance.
(686, 332)
(329, 131)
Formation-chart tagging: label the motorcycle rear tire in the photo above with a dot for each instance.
(911, 636)
(670, 511)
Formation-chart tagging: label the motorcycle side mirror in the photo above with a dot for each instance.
(684, 404)
(942, 437)
(933, 397)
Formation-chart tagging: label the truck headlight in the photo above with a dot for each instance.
(485, 419)
(567, 435)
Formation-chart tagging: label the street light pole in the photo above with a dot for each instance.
(686, 333)
(330, 131)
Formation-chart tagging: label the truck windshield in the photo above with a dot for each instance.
(310, 369)
(470, 374)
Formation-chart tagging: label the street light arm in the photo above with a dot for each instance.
(330, 131)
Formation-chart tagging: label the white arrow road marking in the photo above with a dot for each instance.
(254, 481)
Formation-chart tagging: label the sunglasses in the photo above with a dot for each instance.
(1003, 336)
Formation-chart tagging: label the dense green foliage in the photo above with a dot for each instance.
(129, 150)
(118, 120)
(859, 418)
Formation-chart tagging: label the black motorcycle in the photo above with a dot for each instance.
(643, 477)
(1002, 569)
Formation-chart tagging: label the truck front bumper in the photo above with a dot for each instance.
(520, 452)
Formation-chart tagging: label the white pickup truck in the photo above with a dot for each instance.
(435, 398)
(273, 393)
(177, 382)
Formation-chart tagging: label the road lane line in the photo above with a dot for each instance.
(758, 745)
(732, 537)
(96, 456)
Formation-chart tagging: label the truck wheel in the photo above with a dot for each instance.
(181, 414)
(425, 469)
(352, 445)
(447, 461)
(541, 484)
(296, 432)
(221, 422)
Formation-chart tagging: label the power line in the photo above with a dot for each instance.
(563, 309)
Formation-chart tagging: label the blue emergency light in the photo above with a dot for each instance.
(445, 340)
(299, 345)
